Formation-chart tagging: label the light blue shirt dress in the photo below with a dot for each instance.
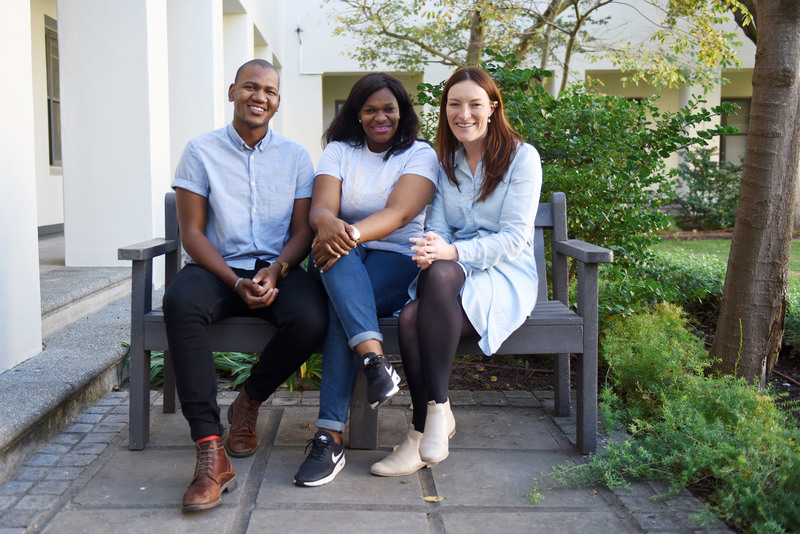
(494, 239)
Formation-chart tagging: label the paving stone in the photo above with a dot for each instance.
(7, 501)
(76, 460)
(100, 408)
(78, 428)
(55, 448)
(88, 418)
(42, 460)
(64, 473)
(67, 439)
(490, 398)
(31, 473)
(110, 427)
(34, 502)
(136, 521)
(116, 418)
(89, 448)
(285, 401)
(99, 437)
(50, 487)
(461, 398)
(15, 487)
(294, 522)
(18, 518)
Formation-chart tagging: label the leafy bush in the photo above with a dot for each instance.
(710, 194)
(606, 152)
(692, 281)
(233, 368)
(717, 433)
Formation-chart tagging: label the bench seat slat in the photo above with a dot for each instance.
(553, 325)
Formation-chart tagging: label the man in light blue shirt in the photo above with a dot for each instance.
(243, 194)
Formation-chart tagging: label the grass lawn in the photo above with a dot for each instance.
(720, 249)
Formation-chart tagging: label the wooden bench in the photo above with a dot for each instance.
(553, 328)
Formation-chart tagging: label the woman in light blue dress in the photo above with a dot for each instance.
(478, 274)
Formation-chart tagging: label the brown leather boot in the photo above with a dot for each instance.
(242, 415)
(213, 474)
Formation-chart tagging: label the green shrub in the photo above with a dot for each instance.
(233, 368)
(692, 281)
(710, 194)
(717, 433)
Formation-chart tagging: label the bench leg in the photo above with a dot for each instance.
(363, 419)
(139, 409)
(169, 384)
(562, 385)
(587, 402)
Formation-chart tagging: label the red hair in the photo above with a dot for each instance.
(501, 139)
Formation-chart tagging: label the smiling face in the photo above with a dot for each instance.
(468, 112)
(379, 116)
(255, 100)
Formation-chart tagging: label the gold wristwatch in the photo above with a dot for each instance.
(284, 268)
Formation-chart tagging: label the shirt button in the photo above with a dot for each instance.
(252, 183)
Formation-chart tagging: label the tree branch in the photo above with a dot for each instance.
(553, 10)
(738, 16)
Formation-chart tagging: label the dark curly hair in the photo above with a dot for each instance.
(345, 126)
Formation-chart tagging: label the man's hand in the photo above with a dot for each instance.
(259, 292)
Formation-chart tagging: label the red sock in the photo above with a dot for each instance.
(209, 438)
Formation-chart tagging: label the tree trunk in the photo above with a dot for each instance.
(548, 33)
(751, 320)
(475, 46)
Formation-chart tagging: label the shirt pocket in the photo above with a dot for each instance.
(280, 202)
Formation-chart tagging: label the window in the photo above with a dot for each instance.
(732, 147)
(53, 98)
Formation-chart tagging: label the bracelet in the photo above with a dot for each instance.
(236, 285)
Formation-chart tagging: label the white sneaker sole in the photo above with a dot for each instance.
(322, 481)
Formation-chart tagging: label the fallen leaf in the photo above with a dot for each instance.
(593, 493)
(493, 378)
(433, 498)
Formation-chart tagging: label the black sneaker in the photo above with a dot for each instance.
(323, 463)
(382, 379)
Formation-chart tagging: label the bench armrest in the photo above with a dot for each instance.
(147, 250)
(584, 252)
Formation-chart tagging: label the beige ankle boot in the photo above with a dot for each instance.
(440, 426)
(404, 460)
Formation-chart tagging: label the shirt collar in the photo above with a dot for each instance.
(239, 143)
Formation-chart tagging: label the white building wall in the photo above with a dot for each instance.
(49, 183)
(198, 90)
(20, 306)
(238, 47)
(115, 125)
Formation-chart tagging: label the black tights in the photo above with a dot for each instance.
(429, 330)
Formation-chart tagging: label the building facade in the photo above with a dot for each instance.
(102, 95)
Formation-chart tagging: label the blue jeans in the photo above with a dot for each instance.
(362, 286)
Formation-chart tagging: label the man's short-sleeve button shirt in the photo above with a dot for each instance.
(250, 191)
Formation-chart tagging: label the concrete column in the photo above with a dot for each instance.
(20, 304)
(115, 125)
(239, 46)
(198, 88)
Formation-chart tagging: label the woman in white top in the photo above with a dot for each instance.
(478, 271)
(371, 188)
